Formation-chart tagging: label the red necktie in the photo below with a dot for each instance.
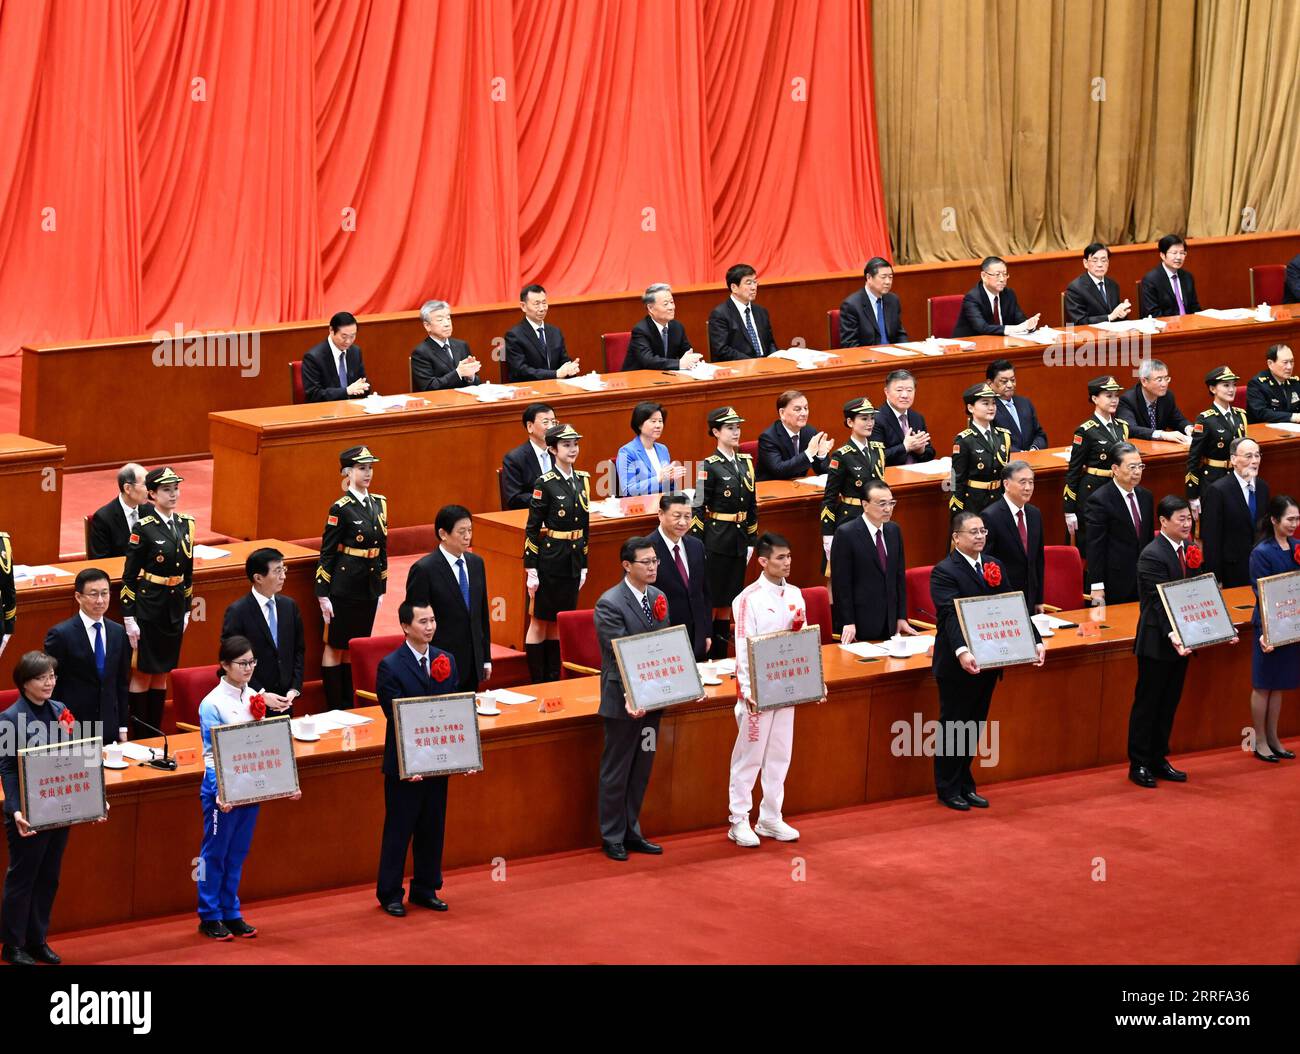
(681, 564)
(1137, 516)
(997, 313)
(1182, 560)
(880, 549)
(1024, 531)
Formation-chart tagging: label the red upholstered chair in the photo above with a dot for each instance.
(366, 653)
(295, 382)
(579, 647)
(509, 668)
(818, 602)
(833, 328)
(615, 346)
(920, 605)
(8, 698)
(750, 447)
(941, 313)
(1062, 578)
(189, 687)
(1267, 284)
(1239, 397)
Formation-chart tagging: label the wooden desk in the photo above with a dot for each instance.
(275, 471)
(31, 479)
(545, 766)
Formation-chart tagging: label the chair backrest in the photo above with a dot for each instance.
(8, 698)
(942, 313)
(1267, 284)
(85, 531)
(579, 646)
(818, 602)
(833, 328)
(189, 687)
(1062, 577)
(750, 447)
(920, 605)
(615, 347)
(501, 490)
(1239, 397)
(296, 389)
(366, 654)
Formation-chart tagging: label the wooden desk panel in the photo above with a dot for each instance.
(31, 479)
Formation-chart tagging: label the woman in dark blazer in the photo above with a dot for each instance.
(643, 463)
(1273, 670)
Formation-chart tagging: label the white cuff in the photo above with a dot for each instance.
(961, 651)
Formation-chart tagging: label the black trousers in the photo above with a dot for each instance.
(962, 699)
(1155, 702)
(30, 884)
(625, 766)
(414, 816)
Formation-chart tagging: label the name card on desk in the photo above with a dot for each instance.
(550, 705)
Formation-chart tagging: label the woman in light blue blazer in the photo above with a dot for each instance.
(644, 466)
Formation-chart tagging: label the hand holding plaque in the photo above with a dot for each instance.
(997, 631)
(1198, 616)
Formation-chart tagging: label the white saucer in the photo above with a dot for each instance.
(484, 712)
(711, 680)
(123, 764)
(306, 739)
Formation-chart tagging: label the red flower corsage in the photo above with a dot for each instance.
(441, 668)
(661, 607)
(797, 621)
(257, 706)
(66, 719)
(1194, 557)
(1295, 552)
(992, 574)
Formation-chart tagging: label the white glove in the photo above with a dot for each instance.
(1071, 522)
(326, 608)
(582, 578)
(530, 577)
(186, 624)
(379, 601)
(749, 554)
(4, 642)
(132, 630)
(1195, 503)
(826, 544)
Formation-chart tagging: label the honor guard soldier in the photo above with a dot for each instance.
(1091, 454)
(8, 593)
(1273, 394)
(979, 453)
(352, 575)
(851, 467)
(555, 550)
(157, 584)
(725, 519)
(1212, 434)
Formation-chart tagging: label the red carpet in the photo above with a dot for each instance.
(1200, 873)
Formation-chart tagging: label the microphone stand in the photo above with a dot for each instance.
(167, 763)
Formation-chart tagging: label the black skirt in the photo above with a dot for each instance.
(159, 650)
(353, 617)
(553, 596)
(726, 578)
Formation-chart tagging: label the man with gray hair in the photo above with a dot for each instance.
(659, 340)
(1150, 409)
(439, 362)
(111, 526)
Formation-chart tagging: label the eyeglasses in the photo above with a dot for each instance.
(648, 563)
(246, 664)
(98, 594)
(885, 504)
(976, 531)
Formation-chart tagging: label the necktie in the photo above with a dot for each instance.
(1024, 531)
(681, 564)
(343, 371)
(271, 621)
(1178, 294)
(424, 666)
(906, 429)
(882, 334)
(1011, 409)
(979, 569)
(1250, 501)
(997, 313)
(1182, 560)
(1137, 516)
(1101, 288)
(132, 519)
(753, 333)
(99, 648)
(1151, 414)
(545, 459)
(794, 441)
(665, 334)
(464, 581)
(645, 607)
(446, 350)
(881, 555)
(541, 337)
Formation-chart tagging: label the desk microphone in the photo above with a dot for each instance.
(167, 763)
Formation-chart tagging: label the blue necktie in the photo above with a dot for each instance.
(645, 606)
(880, 322)
(1250, 500)
(270, 621)
(1011, 409)
(464, 582)
(753, 334)
(99, 645)
(343, 372)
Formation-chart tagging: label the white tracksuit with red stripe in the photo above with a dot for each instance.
(763, 741)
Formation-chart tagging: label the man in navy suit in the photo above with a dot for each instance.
(94, 659)
(738, 327)
(682, 576)
(438, 361)
(965, 690)
(1231, 510)
(1015, 537)
(333, 369)
(658, 341)
(791, 446)
(869, 571)
(1015, 413)
(1150, 409)
(272, 622)
(534, 350)
(1122, 515)
(873, 314)
(1169, 289)
(523, 466)
(1092, 297)
(415, 809)
(898, 426)
(991, 309)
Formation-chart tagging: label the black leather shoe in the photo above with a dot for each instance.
(957, 801)
(615, 850)
(397, 909)
(1267, 757)
(1281, 752)
(216, 929)
(16, 955)
(432, 903)
(240, 928)
(1166, 771)
(640, 845)
(44, 953)
(977, 800)
(1141, 775)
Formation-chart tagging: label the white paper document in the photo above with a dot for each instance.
(507, 697)
(588, 382)
(1132, 325)
(701, 371)
(1281, 426)
(209, 552)
(803, 355)
(1064, 455)
(941, 466)
(136, 752)
(381, 404)
(23, 572)
(1231, 314)
(333, 720)
(488, 393)
(812, 481)
(610, 508)
(865, 650)
(904, 647)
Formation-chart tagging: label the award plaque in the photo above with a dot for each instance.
(785, 669)
(1197, 613)
(62, 784)
(658, 668)
(1279, 608)
(254, 761)
(437, 735)
(997, 629)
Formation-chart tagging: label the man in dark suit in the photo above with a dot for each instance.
(523, 466)
(415, 809)
(1015, 413)
(1168, 289)
(900, 428)
(453, 581)
(111, 525)
(1162, 663)
(1231, 509)
(272, 622)
(1015, 537)
(1150, 409)
(991, 309)
(965, 690)
(534, 350)
(1273, 394)
(94, 659)
(738, 327)
(333, 369)
(791, 446)
(438, 361)
(1092, 297)
(872, 315)
(869, 571)
(1291, 290)
(682, 576)
(633, 606)
(658, 341)
(1119, 518)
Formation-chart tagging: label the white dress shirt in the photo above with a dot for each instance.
(89, 624)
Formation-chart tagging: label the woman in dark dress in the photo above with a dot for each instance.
(1274, 670)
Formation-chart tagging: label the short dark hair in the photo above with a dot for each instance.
(87, 575)
(1170, 504)
(126, 474)
(872, 485)
(533, 409)
(989, 261)
(1168, 242)
(767, 541)
(1277, 506)
(33, 664)
(1095, 247)
(737, 273)
(874, 265)
(532, 287)
(998, 366)
(340, 319)
(1012, 467)
(642, 412)
(786, 398)
(406, 611)
(448, 516)
(1119, 451)
(899, 375)
(627, 552)
(233, 647)
(1273, 350)
(260, 560)
(675, 498)
(960, 519)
